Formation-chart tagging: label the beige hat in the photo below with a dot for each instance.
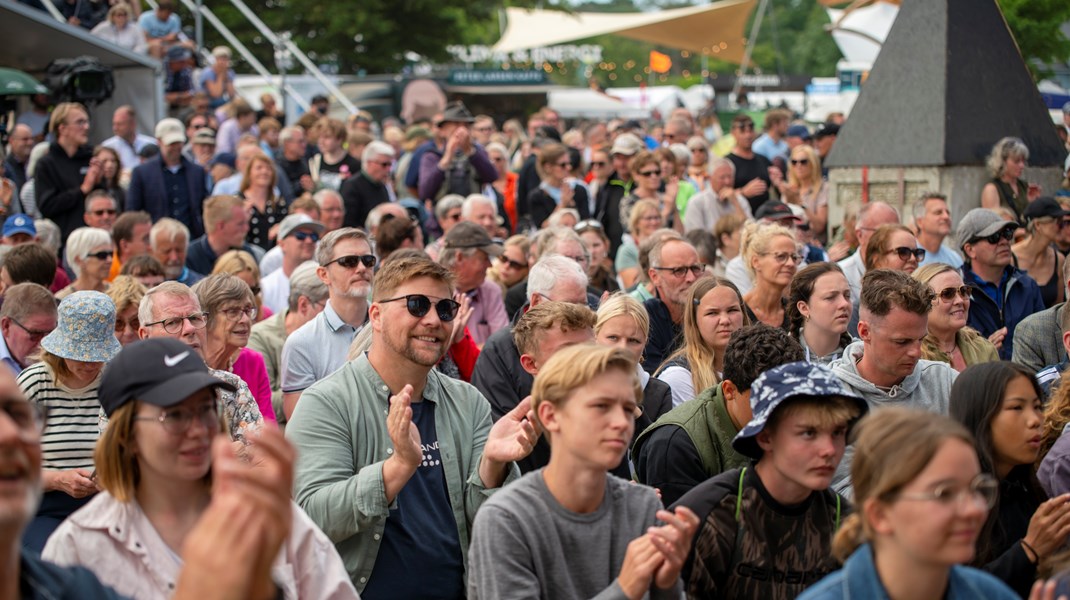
(170, 131)
(627, 144)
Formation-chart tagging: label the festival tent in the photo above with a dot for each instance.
(859, 33)
(591, 104)
(36, 39)
(716, 28)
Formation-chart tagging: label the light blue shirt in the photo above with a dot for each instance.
(7, 359)
(770, 149)
(317, 349)
(155, 28)
(944, 255)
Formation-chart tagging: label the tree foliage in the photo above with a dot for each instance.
(1036, 25)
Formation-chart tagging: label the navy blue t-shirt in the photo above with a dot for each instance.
(420, 554)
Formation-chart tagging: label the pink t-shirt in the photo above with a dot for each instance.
(250, 367)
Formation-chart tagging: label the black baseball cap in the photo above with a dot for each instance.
(160, 371)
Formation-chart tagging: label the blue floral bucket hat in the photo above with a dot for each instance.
(780, 384)
(86, 329)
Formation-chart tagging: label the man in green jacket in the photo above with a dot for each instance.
(396, 458)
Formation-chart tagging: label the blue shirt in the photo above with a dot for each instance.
(943, 255)
(992, 290)
(770, 149)
(155, 28)
(7, 359)
(420, 554)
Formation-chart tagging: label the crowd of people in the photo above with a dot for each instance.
(475, 340)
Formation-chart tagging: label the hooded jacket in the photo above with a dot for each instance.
(1021, 298)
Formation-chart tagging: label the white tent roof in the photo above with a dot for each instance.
(590, 104)
(861, 33)
(716, 28)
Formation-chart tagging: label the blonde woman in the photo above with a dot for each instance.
(949, 339)
(808, 189)
(266, 210)
(1006, 164)
(771, 257)
(643, 221)
(126, 292)
(242, 264)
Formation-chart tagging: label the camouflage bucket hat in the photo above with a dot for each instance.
(779, 384)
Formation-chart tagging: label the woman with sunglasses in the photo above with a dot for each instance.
(698, 167)
(154, 462)
(771, 257)
(1000, 403)
(231, 310)
(646, 171)
(1037, 254)
(557, 190)
(89, 253)
(807, 188)
(921, 498)
(949, 339)
(893, 247)
(643, 221)
(601, 170)
(511, 266)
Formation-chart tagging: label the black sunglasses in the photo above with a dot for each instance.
(905, 253)
(512, 263)
(418, 305)
(1007, 233)
(651, 173)
(350, 261)
(800, 161)
(102, 255)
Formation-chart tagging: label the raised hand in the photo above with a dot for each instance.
(464, 313)
(403, 432)
(512, 438)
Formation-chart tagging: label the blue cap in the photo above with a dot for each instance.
(799, 131)
(224, 158)
(783, 383)
(19, 224)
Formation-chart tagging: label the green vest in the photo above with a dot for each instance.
(706, 422)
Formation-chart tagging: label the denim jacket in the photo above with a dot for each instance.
(858, 580)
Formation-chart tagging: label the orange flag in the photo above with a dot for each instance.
(660, 63)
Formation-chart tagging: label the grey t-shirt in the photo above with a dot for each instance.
(526, 545)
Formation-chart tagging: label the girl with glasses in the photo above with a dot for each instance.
(557, 191)
(921, 498)
(949, 339)
(808, 189)
(1037, 255)
(89, 255)
(1000, 403)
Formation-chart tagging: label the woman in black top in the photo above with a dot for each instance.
(557, 191)
(1006, 163)
(266, 210)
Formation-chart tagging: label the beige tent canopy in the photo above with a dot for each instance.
(715, 29)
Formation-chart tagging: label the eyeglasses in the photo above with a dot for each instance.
(121, 325)
(745, 127)
(1007, 233)
(948, 294)
(28, 417)
(103, 211)
(783, 257)
(566, 165)
(800, 161)
(384, 164)
(177, 421)
(235, 314)
(905, 253)
(678, 272)
(598, 163)
(35, 334)
(102, 255)
(174, 324)
(350, 261)
(419, 305)
(255, 289)
(982, 491)
(587, 225)
(505, 260)
(302, 236)
(656, 173)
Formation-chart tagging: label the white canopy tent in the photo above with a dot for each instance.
(862, 31)
(590, 104)
(36, 39)
(715, 29)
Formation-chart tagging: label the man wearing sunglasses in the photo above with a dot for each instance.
(298, 236)
(100, 210)
(754, 172)
(319, 347)
(1001, 295)
(396, 458)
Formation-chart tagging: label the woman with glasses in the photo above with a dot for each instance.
(713, 311)
(126, 293)
(646, 171)
(819, 307)
(557, 191)
(601, 169)
(949, 339)
(511, 266)
(1037, 254)
(893, 247)
(65, 384)
(89, 253)
(1000, 403)
(154, 463)
(771, 257)
(600, 273)
(921, 498)
(266, 210)
(231, 310)
(643, 221)
(242, 265)
(807, 188)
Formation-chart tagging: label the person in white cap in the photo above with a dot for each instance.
(169, 185)
(298, 236)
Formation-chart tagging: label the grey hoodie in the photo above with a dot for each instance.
(927, 388)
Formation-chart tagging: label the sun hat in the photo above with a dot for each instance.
(86, 329)
(466, 235)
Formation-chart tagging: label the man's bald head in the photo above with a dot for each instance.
(871, 216)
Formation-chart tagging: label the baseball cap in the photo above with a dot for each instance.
(466, 235)
(775, 210)
(294, 221)
(799, 131)
(782, 383)
(224, 158)
(627, 144)
(19, 224)
(1044, 207)
(826, 130)
(159, 371)
(204, 135)
(979, 223)
(170, 131)
(175, 53)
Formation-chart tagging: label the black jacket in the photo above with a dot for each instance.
(58, 180)
(1011, 564)
(540, 205)
(360, 195)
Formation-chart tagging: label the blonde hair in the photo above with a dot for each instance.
(235, 262)
(125, 291)
(621, 304)
(60, 113)
(815, 165)
(217, 209)
(636, 214)
(576, 366)
(528, 331)
(892, 446)
(699, 354)
(247, 175)
(756, 240)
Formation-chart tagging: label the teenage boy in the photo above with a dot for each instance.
(693, 441)
(767, 529)
(570, 530)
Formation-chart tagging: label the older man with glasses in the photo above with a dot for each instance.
(172, 310)
(319, 347)
(674, 266)
(27, 315)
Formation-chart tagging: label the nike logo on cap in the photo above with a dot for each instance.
(174, 360)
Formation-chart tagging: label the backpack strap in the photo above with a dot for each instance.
(739, 496)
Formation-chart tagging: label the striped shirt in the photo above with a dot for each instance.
(72, 427)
